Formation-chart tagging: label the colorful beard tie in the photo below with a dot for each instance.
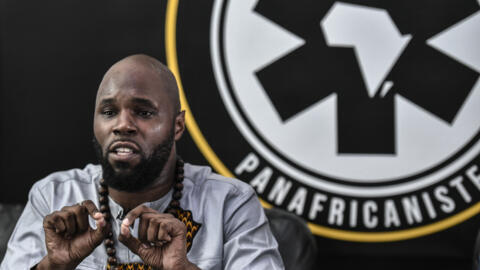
(173, 208)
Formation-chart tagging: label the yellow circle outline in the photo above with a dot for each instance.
(217, 164)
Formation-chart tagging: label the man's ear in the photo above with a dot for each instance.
(179, 125)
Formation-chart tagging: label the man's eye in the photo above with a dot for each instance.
(108, 113)
(145, 113)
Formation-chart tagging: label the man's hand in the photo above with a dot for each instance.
(69, 237)
(161, 239)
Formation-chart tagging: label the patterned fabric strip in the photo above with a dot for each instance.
(186, 217)
(131, 266)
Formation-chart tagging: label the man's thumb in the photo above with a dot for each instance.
(100, 233)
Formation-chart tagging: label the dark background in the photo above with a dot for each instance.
(53, 55)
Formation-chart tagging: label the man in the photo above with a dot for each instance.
(212, 222)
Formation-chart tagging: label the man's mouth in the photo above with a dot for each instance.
(124, 151)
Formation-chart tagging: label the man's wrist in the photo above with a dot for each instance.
(46, 264)
(191, 266)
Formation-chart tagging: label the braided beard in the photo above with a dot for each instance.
(142, 175)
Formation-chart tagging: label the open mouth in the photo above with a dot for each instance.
(123, 151)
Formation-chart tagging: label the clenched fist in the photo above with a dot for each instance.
(69, 237)
(161, 239)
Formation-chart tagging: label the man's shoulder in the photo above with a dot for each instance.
(74, 176)
(203, 177)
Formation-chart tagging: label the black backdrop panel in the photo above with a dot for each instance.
(54, 55)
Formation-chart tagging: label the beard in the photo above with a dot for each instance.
(141, 175)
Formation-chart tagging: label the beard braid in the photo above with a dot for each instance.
(142, 175)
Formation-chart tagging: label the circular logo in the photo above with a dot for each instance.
(361, 119)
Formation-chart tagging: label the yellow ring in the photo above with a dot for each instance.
(217, 164)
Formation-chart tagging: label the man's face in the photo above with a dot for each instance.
(134, 127)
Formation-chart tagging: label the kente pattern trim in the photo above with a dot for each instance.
(186, 217)
(130, 266)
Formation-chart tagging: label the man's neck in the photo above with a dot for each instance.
(160, 187)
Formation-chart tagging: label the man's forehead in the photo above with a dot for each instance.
(137, 95)
(140, 76)
(132, 84)
(133, 99)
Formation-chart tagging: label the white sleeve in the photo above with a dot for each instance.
(249, 242)
(26, 247)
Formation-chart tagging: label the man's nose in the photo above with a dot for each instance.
(125, 125)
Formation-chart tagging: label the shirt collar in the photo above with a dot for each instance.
(160, 205)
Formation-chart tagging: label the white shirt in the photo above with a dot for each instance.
(234, 232)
